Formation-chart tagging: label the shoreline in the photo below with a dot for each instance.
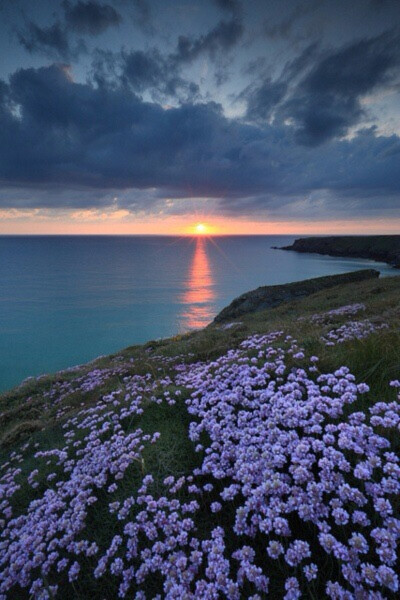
(380, 248)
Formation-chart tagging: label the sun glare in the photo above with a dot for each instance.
(200, 229)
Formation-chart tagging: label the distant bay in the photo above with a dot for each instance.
(65, 300)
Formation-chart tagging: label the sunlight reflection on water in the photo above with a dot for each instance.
(198, 298)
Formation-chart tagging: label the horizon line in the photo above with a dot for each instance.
(189, 235)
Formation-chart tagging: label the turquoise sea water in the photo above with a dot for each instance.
(66, 299)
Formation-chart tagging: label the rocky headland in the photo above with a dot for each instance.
(382, 248)
(269, 296)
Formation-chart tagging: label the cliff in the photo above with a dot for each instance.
(272, 295)
(382, 248)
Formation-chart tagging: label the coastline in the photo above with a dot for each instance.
(380, 248)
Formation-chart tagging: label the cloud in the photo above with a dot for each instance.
(320, 93)
(150, 71)
(51, 41)
(262, 100)
(3, 95)
(222, 37)
(385, 5)
(264, 95)
(143, 15)
(232, 6)
(254, 66)
(284, 27)
(54, 41)
(144, 69)
(99, 142)
(90, 17)
(161, 74)
(76, 134)
(327, 101)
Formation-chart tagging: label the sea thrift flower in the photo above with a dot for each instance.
(283, 454)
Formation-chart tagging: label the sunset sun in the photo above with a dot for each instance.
(200, 229)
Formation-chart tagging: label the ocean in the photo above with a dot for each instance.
(65, 300)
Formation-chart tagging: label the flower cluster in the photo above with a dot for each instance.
(342, 311)
(296, 486)
(352, 330)
(282, 440)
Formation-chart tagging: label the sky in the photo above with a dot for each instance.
(149, 116)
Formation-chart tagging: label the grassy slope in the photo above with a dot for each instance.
(374, 360)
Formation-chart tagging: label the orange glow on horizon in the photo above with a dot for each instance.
(201, 228)
(119, 222)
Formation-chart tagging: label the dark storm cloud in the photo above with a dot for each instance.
(264, 95)
(52, 41)
(383, 5)
(139, 124)
(327, 101)
(56, 132)
(262, 100)
(161, 74)
(232, 6)
(74, 133)
(143, 15)
(283, 27)
(142, 72)
(304, 60)
(90, 17)
(254, 66)
(323, 92)
(144, 69)
(222, 37)
(151, 71)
